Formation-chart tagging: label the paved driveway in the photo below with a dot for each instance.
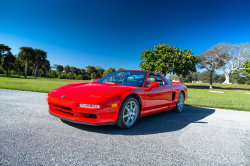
(29, 135)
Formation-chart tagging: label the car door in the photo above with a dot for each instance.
(159, 97)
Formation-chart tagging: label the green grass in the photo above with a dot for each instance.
(31, 84)
(234, 96)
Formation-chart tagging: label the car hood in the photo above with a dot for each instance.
(88, 89)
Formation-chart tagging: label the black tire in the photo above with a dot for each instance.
(178, 107)
(131, 120)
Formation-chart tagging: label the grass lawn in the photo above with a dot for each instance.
(31, 84)
(234, 96)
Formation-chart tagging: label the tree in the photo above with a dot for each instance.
(168, 59)
(3, 49)
(18, 65)
(236, 55)
(90, 69)
(212, 59)
(67, 70)
(83, 72)
(8, 60)
(59, 68)
(193, 76)
(221, 78)
(247, 68)
(54, 66)
(205, 76)
(109, 71)
(93, 76)
(77, 71)
(121, 68)
(100, 72)
(38, 58)
(105, 73)
(237, 77)
(72, 68)
(46, 66)
(25, 56)
(175, 77)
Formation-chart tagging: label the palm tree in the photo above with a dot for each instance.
(18, 64)
(59, 68)
(77, 71)
(25, 56)
(93, 76)
(38, 58)
(67, 70)
(54, 66)
(83, 72)
(3, 49)
(8, 60)
(46, 66)
(100, 72)
(72, 68)
(90, 69)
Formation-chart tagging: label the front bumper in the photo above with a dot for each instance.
(85, 123)
(69, 111)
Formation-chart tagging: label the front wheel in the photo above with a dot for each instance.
(128, 114)
(180, 103)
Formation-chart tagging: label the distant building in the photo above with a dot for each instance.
(98, 67)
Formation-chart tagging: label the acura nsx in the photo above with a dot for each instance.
(119, 98)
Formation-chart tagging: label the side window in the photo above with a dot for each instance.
(169, 81)
(156, 78)
(160, 80)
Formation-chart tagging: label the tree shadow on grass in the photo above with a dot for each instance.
(167, 121)
(216, 87)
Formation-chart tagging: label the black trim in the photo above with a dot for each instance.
(85, 123)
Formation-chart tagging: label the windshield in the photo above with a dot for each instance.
(131, 78)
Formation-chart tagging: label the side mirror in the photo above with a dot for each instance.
(97, 79)
(152, 85)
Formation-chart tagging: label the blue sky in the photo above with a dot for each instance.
(112, 33)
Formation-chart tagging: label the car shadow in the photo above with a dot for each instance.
(167, 121)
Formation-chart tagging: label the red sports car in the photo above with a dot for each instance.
(119, 98)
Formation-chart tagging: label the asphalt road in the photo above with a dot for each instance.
(29, 135)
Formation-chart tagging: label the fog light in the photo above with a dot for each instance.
(88, 106)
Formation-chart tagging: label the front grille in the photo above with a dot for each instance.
(65, 108)
(65, 112)
(62, 109)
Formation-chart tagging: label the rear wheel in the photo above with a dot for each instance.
(128, 114)
(180, 103)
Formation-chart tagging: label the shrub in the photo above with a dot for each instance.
(2, 71)
(63, 76)
(71, 76)
(79, 77)
(53, 74)
(12, 72)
